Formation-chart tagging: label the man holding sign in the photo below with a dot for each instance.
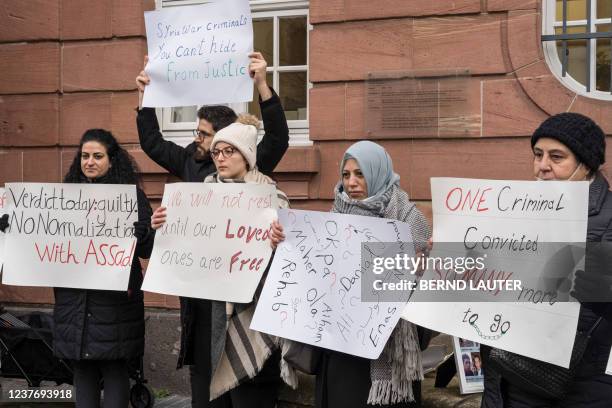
(193, 163)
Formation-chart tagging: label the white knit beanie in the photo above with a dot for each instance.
(242, 137)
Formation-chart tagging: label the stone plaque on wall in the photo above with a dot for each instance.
(421, 104)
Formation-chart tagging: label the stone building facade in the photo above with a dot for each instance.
(69, 65)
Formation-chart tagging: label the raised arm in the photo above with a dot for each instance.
(275, 142)
(167, 154)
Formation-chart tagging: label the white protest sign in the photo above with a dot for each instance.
(70, 235)
(198, 55)
(519, 221)
(2, 234)
(313, 290)
(215, 242)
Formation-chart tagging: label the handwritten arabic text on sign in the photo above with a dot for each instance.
(313, 290)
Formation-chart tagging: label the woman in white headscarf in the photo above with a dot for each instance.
(369, 187)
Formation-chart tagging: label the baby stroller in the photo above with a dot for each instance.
(26, 352)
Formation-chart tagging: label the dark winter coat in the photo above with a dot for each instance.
(180, 162)
(104, 324)
(591, 383)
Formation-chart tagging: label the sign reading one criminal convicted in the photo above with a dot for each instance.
(313, 292)
(215, 243)
(528, 232)
(198, 55)
(70, 235)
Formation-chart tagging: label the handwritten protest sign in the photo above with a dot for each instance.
(2, 234)
(215, 242)
(519, 226)
(313, 290)
(199, 54)
(70, 235)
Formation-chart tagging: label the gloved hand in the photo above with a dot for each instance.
(592, 286)
(4, 222)
(141, 229)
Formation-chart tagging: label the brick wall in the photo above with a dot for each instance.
(510, 91)
(67, 66)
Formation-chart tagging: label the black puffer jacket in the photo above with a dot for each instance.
(104, 324)
(591, 383)
(180, 162)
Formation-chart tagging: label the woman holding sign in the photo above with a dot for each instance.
(101, 330)
(369, 186)
(569, 147)
(234, 348)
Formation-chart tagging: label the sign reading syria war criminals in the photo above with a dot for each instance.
(530, 238)
(313, 292)
(70, 235)
(198, 55)
(215, 243)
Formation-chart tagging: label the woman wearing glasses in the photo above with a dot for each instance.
(233, 150)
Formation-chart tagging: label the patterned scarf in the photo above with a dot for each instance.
(400, 361)
(237, 352)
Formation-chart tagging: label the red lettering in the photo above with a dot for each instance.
(469, 199)
(227, 234)
(91, 250)
(449, 196)
(482, 200)
(234, 259)
(46, 253)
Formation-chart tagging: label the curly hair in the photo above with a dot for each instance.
(248, 119)
(219, 116)
(123, 169)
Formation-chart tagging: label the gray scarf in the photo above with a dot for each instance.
(400, 361)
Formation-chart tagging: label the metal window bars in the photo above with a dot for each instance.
(588, 35)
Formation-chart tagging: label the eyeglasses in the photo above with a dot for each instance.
(227, 152)
(200, 134)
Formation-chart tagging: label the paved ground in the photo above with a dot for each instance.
(432, 397)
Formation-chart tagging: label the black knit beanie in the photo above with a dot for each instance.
(579, 133)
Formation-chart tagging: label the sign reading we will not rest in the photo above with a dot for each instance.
(198, 55)
(215, 242)
(529, 231)
(70, 235)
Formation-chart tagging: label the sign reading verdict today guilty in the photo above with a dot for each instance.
(70, 235)
(198, 55)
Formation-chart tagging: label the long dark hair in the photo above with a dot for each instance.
(123, 170)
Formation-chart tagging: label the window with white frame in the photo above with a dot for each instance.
(576, 37)
(280, 33)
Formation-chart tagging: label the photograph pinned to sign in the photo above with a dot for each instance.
(198, 55)
(469, 365)
(215, 242)
(70, 235)
(314, 291)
